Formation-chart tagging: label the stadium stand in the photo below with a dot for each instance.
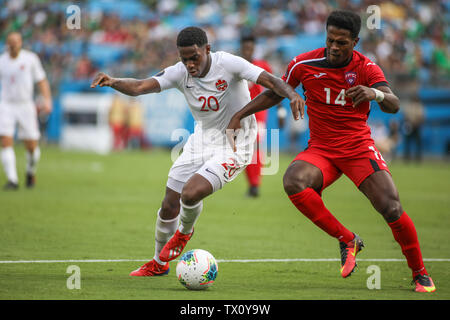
(135, 38)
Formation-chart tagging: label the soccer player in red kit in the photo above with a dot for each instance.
(339, 84)
(253, 170)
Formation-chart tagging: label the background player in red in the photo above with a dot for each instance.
(339, 84)
(253, 170)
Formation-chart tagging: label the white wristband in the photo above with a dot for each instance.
(379, 95)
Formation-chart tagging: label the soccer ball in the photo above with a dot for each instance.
(197, 269)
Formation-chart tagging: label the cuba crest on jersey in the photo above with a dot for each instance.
(221, 85)
(350, 77)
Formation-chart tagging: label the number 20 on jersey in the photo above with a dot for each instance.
(209, 104)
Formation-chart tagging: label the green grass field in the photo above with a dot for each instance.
(93, 207)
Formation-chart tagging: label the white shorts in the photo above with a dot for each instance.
(216, 163)
(22, 115)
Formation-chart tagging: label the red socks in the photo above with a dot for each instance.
(253, 170)
(311, 205)
(405, 234)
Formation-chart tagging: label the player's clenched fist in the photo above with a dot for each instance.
(360, 94)
(102, 80)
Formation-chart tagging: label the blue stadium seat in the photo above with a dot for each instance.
(74, 47)
(434, 94)
(126, 10)
(104, 54)
(180, 21)
(437, 112)
(427, 50)
(292, 46)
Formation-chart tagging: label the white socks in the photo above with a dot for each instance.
(164, 230)
(8, 158)
(9, 164)
(32, 160)
(188, 216)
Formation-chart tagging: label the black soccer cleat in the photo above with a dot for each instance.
(10, 186)
(253, 192)
(30, 180)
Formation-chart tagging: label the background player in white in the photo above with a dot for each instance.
(215, 87)
(20, 69)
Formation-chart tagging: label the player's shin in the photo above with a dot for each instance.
(188, 216)
(405, 234)
(9, 164)
(164, 230)
(32, 160)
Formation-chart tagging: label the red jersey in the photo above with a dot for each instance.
(335, 126)
(256, 89)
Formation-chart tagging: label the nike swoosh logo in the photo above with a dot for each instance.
(189, 87)
(371, 64)
(320, 74)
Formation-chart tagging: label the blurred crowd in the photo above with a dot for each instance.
(412, 40)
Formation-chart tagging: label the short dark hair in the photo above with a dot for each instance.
(345, 20)
(248, 37)
(191, 36)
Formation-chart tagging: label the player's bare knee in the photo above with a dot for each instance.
(169, 209)
(7, 142)
(294, 184)
(392, 210)
(190, 196)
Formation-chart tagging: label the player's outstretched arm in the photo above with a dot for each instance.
(278, 90)
(284, 90)
(128, 86)
(387, 100)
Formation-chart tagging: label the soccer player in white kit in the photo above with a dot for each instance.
(215, 87)
(20, 69)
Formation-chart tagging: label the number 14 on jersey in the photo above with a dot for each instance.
(340, 99)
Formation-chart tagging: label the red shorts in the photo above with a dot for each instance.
(357, 168)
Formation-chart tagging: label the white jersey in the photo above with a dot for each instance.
(18, 76)
(216, 97)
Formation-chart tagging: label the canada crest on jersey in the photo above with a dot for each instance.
(221, 85)
(350, 77)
